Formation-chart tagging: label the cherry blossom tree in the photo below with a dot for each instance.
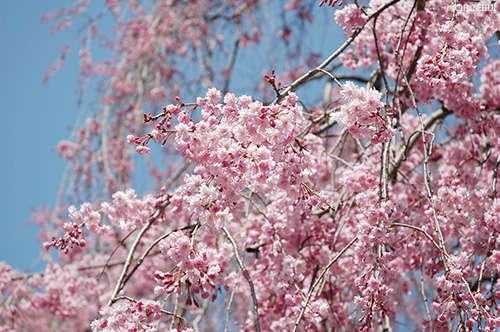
(354, 190)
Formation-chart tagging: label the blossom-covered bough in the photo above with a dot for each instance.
(374, 209)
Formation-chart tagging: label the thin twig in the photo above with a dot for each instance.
(311, 290)
(384, 156)
(331, 76)
(495, 173)
(146, 253)
(231, 297)
(431, 119)
(12, 295)
(272, 225)
(176, 304)
(247, 276)
(175, 175)
(119, 283)
(427, 235)
(422, 291)
(122, 241)
(123, 297)
(232, 59)
(81, 268)
(483, 265)
(427, 173)
(311, 73)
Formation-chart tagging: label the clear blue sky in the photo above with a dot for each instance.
(34, 118)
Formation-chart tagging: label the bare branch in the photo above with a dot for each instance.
(427, 235)
(495, 173)
(431, 119)
(311, 73)
(175, 175)
(247, 276)
(325, 269)
(120, 282)
(146, 253)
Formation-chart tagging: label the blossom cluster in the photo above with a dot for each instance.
(60, 292)
(350, 18)
(448, 64)
(490, 84)
(448, 70)
(194, 270)
(129, 315)
(238, 145)
(126, 212)
(72, 238)
(445, 39)
(364, 114)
